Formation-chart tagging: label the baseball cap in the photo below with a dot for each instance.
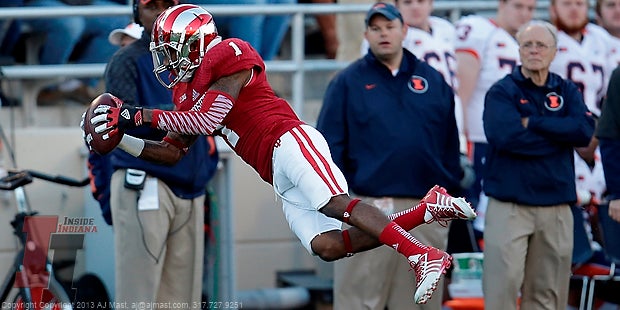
(133, 30)
(389, 11)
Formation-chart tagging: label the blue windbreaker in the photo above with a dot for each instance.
(534, 165)
(391, 135)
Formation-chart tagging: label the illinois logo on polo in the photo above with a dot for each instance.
(418, 84)
(554, 102)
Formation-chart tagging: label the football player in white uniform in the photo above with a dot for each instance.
(583, 51)
(608, 17)
(486, 51)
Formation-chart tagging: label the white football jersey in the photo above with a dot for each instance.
(498, 53)
(590, 179)
(435, 47)
(612, 46)
(586, 63)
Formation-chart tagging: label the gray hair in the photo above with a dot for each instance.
(538, 22)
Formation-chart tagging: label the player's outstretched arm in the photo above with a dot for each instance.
(207, 115)
(202, 119)
(168, 151)
(112, 120)
(230, 85)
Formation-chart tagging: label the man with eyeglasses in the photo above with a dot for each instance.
(532, 119)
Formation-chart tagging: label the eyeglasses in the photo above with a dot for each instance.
(539, 46)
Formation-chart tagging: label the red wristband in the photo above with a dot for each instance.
(347, 212)
(346, 239)
(175, 143)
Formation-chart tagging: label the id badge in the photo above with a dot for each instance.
(149, 200)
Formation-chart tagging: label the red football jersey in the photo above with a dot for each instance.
(257, 118)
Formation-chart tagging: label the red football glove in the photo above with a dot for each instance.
(112, 119)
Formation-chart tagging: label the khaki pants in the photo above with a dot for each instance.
(382, 277)
(527, 249)
(158, 253)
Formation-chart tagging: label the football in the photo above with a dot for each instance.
(101, 143)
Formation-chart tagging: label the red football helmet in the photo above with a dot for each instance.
(180, 38)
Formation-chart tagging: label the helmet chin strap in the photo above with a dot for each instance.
(214, 42)
(187, 75)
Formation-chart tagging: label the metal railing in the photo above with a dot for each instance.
(297, 65)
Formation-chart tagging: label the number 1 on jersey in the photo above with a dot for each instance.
(235, 47)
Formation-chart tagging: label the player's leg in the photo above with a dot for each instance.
(305, 158)
(306, 180)
(321, 235)
(436, 206)
(428, 262)
(434, 235)
(302, 162)
(306, 177)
